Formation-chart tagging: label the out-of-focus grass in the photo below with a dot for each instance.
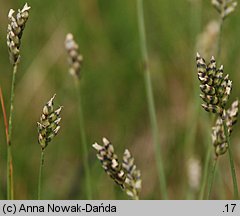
(113, 94)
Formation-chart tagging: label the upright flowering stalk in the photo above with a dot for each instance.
(212, 39)
(48, 128)
(124, 173)
(216, 88)
(75, 64)
(15, 29)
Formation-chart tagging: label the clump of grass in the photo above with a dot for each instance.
(75, 64)
(216, 88)
(48, 128)
(124, 173)
(15, 29)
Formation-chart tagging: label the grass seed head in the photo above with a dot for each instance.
(124, 174)
(215, 87)
(133, 182)
(74, 57)
(224, 7)
(232, 115)
(15, 29)
(219, 139)
(48, 126)
(109, 161)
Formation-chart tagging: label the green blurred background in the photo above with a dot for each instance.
(113, 93)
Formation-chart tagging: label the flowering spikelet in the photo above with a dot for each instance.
(133, 182)
(219, 139)
(74, 57)
(231, 115)
(15, 30)
(110, 161)
(124, 174)
(224, 7)
(215, 87)
(48, 126)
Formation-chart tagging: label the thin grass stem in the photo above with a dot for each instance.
(211, 179)
(84, 142)
(220, 183)
(195, 106)
(205, 173)
(10, 190)
(4, 115)
(40, 175)
(150, 99)
(194, 110)
(234, 177)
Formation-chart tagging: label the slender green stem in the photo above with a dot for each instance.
(211, 179)
(205, 173)
(150, 99)
(195, 106)
(234, 177)
(10, 191)
(220, 183)
(195, 26)
(84, 142)
(40, 175)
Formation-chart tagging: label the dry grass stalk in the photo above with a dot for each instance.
(15, 30)
(124, 174)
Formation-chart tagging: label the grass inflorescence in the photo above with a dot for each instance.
(175, 144)
(48, 128)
